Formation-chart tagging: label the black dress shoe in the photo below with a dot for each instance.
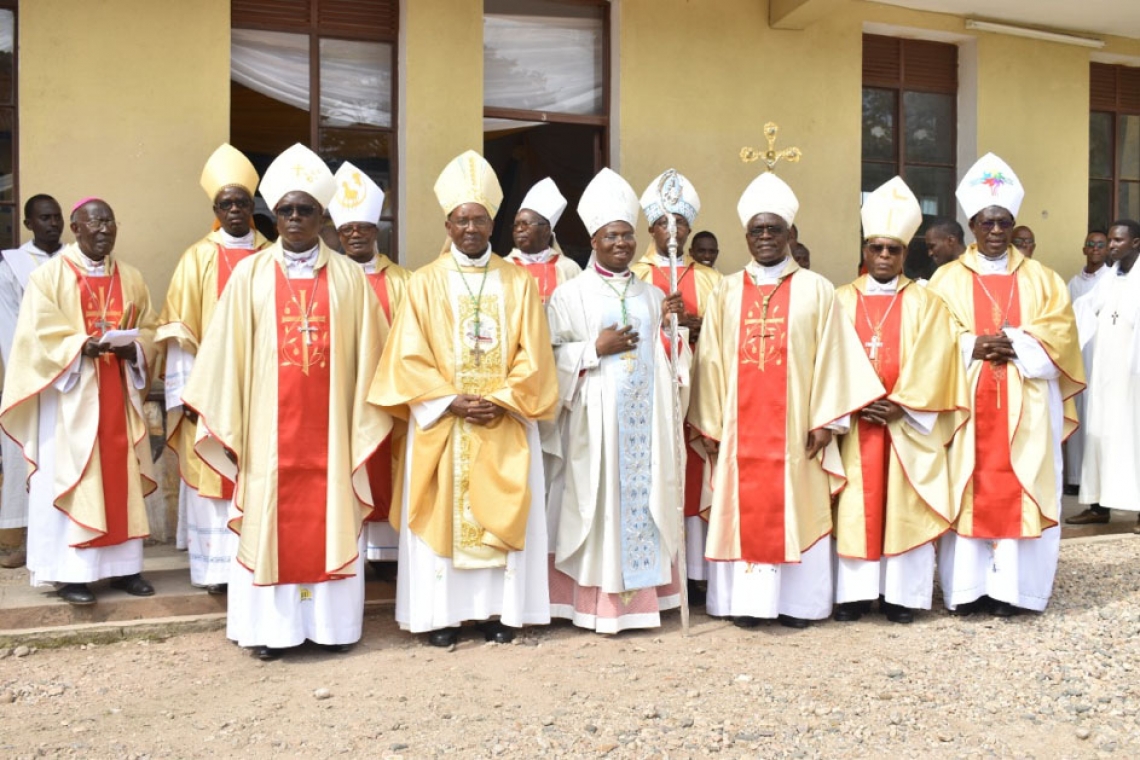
(1002, 609)
(1072, 490)
(135, 585)
(793, 622)
(849, 612)
(495, 631)
(217, 589)
(267, 654)
(896, 613)
(744, 621)
(697, 594)
(76, 594)
(335, 648)
(981, 604)
(444, 637)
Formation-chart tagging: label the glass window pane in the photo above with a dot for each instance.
(356, 83)
(1128, 141)
(7, 159)
(878, 125)
(1129, 206)
(934, 188)
(7, 55)
(1100, 204)
(1100, 145)
(543, 63)
(875, 175)
(929, 120)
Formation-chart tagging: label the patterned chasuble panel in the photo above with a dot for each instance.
(480, 369)
(632, 372)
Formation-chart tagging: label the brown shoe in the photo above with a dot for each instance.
(17, 558)
(1089, 517)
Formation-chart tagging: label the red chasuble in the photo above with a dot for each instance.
(761, 407)
(379, 465)
(303, 375)
(686, 284)
(102, 299)
(997, 491)
(875, 440)
(546, 274)
(228, 258)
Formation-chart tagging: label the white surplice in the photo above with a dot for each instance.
(430, 592)
(1108, 319)
(619, 521)
(1082, 284)
(16, 265)
(1018, 571)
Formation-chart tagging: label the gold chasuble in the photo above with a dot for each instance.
(1003, 461)
(773, 363)
(898, 492)
(279, 383)
(197, 284)
(468, 497)
(102, 453)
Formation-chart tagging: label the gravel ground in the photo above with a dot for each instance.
(1059, 684)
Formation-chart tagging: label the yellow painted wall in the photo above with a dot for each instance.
(126, 99)
(441, 112)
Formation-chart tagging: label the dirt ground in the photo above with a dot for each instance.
(1059, 684)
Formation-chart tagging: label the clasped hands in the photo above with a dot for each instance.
(994, 348)
(475, 409)
(94, 349)
(881, 412)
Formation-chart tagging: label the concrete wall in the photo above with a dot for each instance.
(125, 99)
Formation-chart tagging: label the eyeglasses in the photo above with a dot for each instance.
(625, 237)
(101, 224)
(989, 224)
(766, 229)
(893, 248)
(1096, 244)
(1023, 241)
(478, 222)
(521, 225)
(303, 210)
(350, 230)
(231, 203)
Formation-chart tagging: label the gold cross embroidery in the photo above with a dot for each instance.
(304, 327)
(765, 329)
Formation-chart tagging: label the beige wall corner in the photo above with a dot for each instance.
(126, 100)
(800, 14)
(442, 111)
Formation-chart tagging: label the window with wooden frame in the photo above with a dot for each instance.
(321, 73)
(1114, 144)
(10, 215)
(545, 103)
(910, 124)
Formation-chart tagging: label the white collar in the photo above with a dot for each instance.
(762, 272)
(35, 250)
(229, 241)
(301, 257)
(606, 274)
(95, 268)
(874, 287)
(463, 260)
(663, 260)
(1000, 265)
(538, 258)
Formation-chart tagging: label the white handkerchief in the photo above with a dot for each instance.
(118, 338)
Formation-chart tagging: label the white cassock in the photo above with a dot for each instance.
(16, 265)
(286, 614)
(444, 596)
(202, 528)
(1082, 284)
(1108, 319)
(51, 533)
(616, 533)
(1018, 571)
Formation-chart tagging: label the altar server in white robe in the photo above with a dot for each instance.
(619, 523)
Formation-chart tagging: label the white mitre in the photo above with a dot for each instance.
(228, 167)
(608, 198)
(298, 169)
(670, 193)
(768, 194)
(990, 182)
(357, 199)
(468, 178)
(891, 211)
(545, 200)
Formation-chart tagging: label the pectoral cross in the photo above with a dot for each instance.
(873, 346)
(477, 352)
(630, 359)
(99, 309)
(1114, 315)
(768, 326)
(304, 327)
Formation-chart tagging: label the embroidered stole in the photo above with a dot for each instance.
(303, 378)
(762, 398)
(996, 489)
(875, 440)
(379, 465)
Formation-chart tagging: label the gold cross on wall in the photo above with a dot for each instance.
(771, 156)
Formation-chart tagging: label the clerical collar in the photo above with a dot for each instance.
(94, 268)
(991, 266)
(538, 258)
(301, 257)
(874, 287)
(229, 241)
(663, 259)
(762, 272)
(603, 272)
(463, 260)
